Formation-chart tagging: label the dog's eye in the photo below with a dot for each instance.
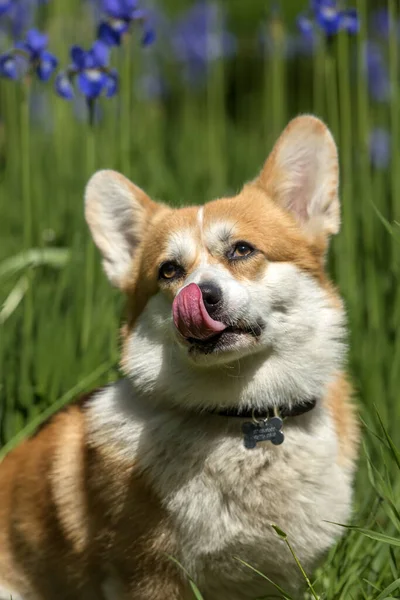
(241, 250)
(169, 270)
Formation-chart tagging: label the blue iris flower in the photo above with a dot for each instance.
(90, 68)
(31, 55)
(330, 18)
(200, 37)
(120, 15)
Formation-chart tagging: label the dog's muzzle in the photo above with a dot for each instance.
(191, 311)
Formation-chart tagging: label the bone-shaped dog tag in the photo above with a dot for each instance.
(263, 431)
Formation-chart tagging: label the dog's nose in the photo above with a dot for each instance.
(212, 296)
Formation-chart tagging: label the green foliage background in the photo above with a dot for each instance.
(59, 317)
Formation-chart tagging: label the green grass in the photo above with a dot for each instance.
(59, 317)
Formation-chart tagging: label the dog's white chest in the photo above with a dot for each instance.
(222, 499)
(226, 499)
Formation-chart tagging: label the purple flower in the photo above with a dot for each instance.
(349, 21)
(305, 25)
(200, 37)
(10, 67)
(5, 6)
(29, 55)
(90, 68)
(379, 148)
(329, 17)
(376, 72)
(121, 14)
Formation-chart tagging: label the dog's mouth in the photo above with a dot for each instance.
(224, 340)
(201, 331)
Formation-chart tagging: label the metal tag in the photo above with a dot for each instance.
(263, 431)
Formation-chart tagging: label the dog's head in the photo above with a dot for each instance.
(228, 303)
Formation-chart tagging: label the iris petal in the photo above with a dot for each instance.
(36, 41)
(148, 37)
(305, 25)
(63, 86)
(114, 8)
(13, 66)
(138, 14)
(129, 6)
(329, 19)
(350, 21)
(111, 87)
(100, 54)
(321, 4)
(91, 83)
(78, 56)
(5, 6)
(108, 35)
(8, 66)
(47, 65)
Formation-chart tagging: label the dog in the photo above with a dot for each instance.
(235, 413)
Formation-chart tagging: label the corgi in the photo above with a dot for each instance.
(234, 413)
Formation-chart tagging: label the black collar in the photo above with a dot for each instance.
(284, 411)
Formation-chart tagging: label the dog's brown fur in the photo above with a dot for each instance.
(62, 516)
(71, 505)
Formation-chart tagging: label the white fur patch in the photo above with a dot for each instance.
(204, 255)
(200, 221)
(217, 234)
(182, 246)
(223, 498)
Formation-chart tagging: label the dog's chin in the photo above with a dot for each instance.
(230, 344)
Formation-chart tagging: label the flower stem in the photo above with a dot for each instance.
(394, 122)
(91, 104)
(277, 84)
(216, 134)
(347, 240)
(27, 330)
(319, 75)
(90, 250)
(366, 183)
(125, 117)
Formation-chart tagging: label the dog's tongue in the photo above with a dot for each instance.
(191, 317)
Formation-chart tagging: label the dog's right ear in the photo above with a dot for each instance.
(117, 212)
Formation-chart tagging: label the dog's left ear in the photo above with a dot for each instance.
(302, 175)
